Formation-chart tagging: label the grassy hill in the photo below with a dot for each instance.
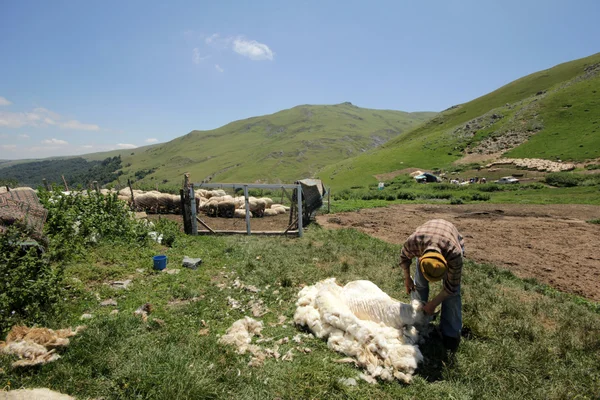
(281, 147)
(551, 114)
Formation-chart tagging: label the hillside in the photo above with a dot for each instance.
(280, 147)
(552, 114)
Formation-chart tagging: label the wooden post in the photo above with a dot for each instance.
(184, 212)
(193, 210)
(65, 182)
(186, 205)
(45, 184)
(131, 191)
(300, 210)
(247, 209)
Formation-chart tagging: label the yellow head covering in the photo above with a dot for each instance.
(433, 266)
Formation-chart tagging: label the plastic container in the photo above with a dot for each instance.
(160, 262)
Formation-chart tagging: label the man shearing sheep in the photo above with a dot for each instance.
(439, 249)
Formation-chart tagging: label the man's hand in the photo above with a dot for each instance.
(409, 284)
(429, 308)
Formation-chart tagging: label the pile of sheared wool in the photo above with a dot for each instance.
(37, 394)
(363, 322)
(240, 334)
(35, 346)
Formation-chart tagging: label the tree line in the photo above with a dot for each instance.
(77, 171)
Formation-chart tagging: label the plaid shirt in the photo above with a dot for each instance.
(443, 237)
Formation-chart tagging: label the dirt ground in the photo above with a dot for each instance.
(277, 223)
(552, 243)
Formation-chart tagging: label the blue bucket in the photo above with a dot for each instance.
(160, 262)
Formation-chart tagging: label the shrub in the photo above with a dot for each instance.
(168, 229)
(456, 200)
(255, 192)
(406, 196)
(448, 186)
(535, 186)
(492, 187)
(29, 286)
(594, 221)
(444, 196)
(83, 219)
(563, 179)
(592, 166)
(381, 195)
(342, 195)
(368, 196)
(480, 197)
(390, 197)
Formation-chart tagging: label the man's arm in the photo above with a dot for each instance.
(430, 307)
(406, 256)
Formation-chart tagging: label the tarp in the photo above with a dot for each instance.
(313, 191)
(427, 177)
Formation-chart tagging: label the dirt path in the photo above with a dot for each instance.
(552, 243)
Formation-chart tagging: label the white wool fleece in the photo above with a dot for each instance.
(363, 322)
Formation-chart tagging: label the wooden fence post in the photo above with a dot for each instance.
(186, 205)
(65, 182)
(300, 210)
(131, 191)
(192, 203)
(247, 209)
(184, 212)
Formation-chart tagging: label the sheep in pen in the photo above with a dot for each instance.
(361, 321)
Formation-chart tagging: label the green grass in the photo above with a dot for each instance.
(523, 339)
(404, 190)
(572, 125)
(569, 133)
(282, 147)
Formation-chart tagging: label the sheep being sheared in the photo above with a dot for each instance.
(363, 322)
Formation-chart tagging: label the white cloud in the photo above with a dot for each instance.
(218, 68)
(40, 118)
(23, 136)
(151, 140)
(4, 102)
(212, 38)
(126, 146)
(252, 49)
(10, 147)
(246, 47)
(55, 141)
(74, 124)
(196, 58)
(87, 146)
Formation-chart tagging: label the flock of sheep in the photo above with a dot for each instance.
(214, 203)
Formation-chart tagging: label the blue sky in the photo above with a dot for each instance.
(81, 76)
